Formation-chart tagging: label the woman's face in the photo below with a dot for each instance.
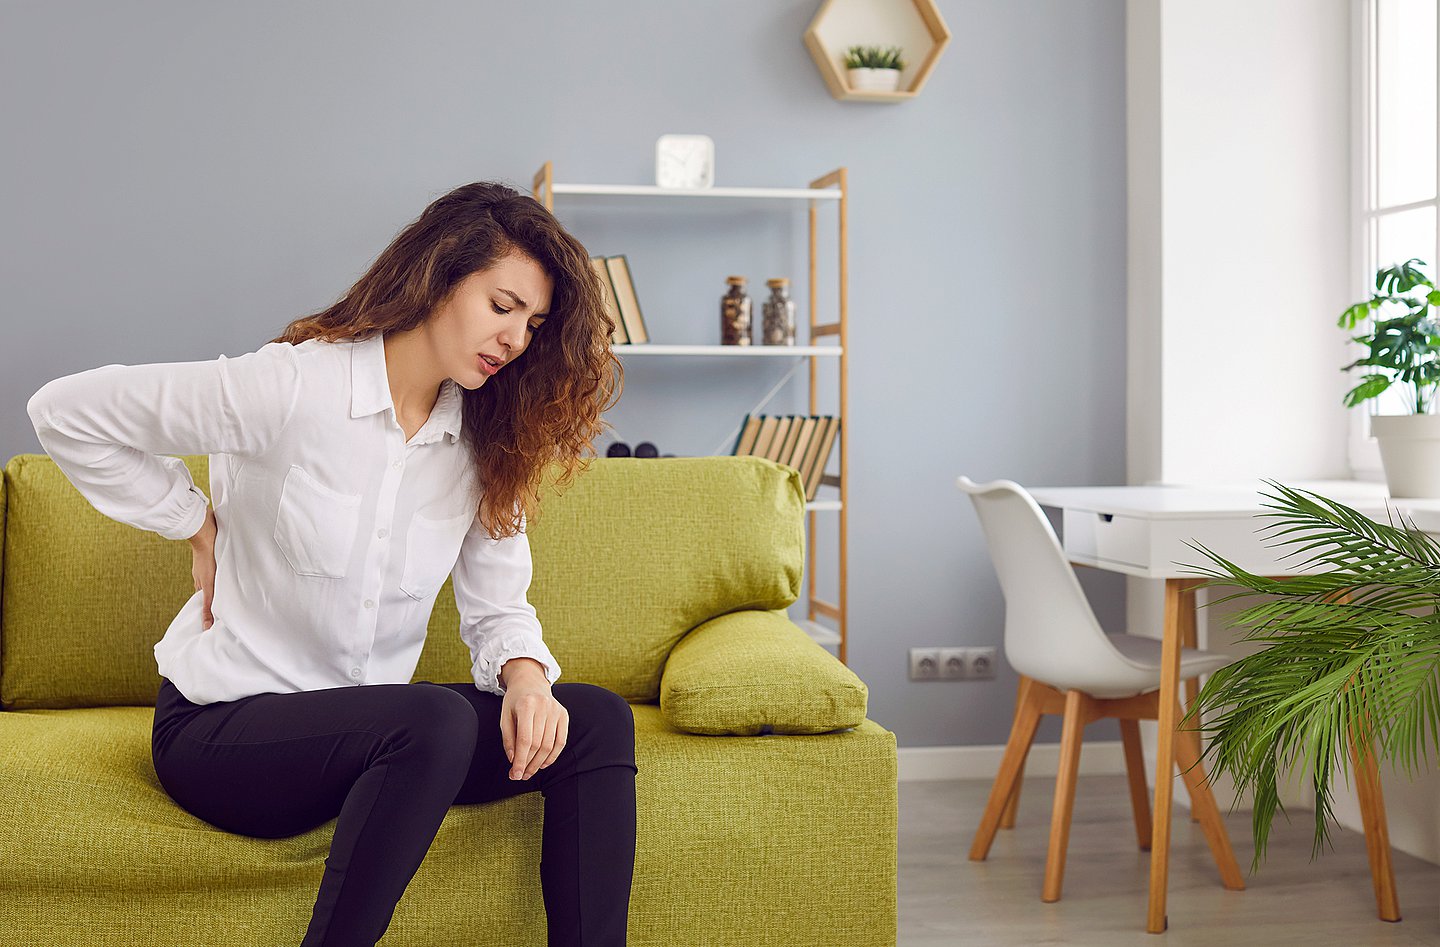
(495, 312)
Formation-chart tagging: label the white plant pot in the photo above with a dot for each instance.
(874, 80)
(1410, 453)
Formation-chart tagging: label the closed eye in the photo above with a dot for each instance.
(503, 312)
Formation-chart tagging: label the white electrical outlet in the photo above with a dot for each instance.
(954, 663)
(980, 664)
(924, 664)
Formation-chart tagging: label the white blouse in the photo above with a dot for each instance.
(335, 533)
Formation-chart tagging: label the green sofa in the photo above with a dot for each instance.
(767, 801)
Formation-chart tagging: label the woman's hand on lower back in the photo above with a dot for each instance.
(202, 564)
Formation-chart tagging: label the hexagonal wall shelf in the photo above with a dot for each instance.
(913, 25)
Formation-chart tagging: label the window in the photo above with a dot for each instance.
(1396, 175)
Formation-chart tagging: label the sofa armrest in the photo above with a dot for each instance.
(755, 671)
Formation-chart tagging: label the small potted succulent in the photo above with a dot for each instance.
(1404, 345)
(872, 69)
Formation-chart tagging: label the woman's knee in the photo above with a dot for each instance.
(436, 716)
(600, 718)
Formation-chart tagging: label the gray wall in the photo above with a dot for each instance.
(180, 180)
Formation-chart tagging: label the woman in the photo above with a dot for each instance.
(356, 460)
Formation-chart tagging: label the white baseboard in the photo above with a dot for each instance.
(983, 762)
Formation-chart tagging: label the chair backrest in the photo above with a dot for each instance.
(628, 557)
(1051, 633)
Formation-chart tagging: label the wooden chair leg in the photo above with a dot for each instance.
(1007, 818)
(1022, 732)
(1377, 832)
(1189, 638)
(1139, 791)
(1202, 803)
(1076, 707)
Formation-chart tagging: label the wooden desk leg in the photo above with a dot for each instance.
(1165, 753)
(1377, 827)
(1377, 832)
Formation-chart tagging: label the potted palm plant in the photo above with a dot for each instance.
(1351, 652)
(1405, 347)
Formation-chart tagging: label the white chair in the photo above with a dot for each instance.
(1069, 665)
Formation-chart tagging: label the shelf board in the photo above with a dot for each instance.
(820, 633)
(822, 505)
(651, 190)
(730, 351)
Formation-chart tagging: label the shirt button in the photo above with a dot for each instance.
(354, 672)
(369, 603)
(382, 533)
(396, 465)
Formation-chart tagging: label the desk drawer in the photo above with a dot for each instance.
(1107, 537)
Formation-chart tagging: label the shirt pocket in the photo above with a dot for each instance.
(315, 525)
(431, 548)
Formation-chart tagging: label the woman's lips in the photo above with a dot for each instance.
(485, 366)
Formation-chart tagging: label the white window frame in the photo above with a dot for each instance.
(1364, 454)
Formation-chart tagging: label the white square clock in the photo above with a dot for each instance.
(684, 161)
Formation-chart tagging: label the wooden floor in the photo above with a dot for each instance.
(947, 899)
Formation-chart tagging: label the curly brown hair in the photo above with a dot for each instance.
(547, 408)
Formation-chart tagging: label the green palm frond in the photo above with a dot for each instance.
(1353, 650)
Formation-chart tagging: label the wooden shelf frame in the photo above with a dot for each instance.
(831, 188)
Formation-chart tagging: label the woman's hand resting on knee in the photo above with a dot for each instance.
(202, 562)
(533, 724)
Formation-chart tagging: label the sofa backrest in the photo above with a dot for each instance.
(629, 556)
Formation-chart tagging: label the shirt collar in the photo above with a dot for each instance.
(370, 390)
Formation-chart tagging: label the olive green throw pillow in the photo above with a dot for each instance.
(755, 671)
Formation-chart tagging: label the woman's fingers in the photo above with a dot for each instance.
(560, 730)
(533, 732)
(202, 564)
(524, 738)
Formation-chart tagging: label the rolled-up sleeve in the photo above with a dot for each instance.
(497, 622)
(106, 428)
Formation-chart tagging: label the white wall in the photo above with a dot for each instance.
(1239, 177)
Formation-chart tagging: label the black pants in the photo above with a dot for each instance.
(389, 760)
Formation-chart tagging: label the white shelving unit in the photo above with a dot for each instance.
(827, 188)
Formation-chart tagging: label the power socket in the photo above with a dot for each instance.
(952, 664)
(924, 664)
(980, 664)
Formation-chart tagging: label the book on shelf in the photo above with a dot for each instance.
(621, 303)
(796, 440)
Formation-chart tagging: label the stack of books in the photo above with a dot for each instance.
(797, 440)
(621, 303)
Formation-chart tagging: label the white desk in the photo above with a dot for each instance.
(1141, 530)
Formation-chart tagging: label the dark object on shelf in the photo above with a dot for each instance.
(779, 325)
(735, 313)
(618, 449)
(646, 449)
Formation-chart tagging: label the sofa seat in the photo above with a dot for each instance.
(772, 825)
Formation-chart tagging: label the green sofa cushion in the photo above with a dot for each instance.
(629, 557)
(754, 672)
